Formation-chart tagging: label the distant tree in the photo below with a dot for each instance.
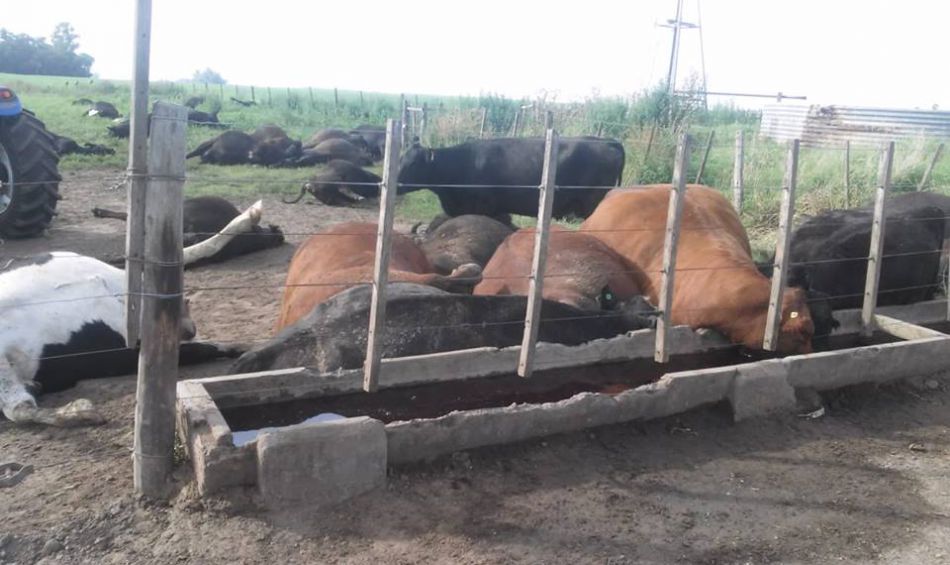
(209, 76)
(23, 54)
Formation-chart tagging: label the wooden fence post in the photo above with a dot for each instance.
(780, 270)
(253, 97)
(312, 103)
(877, 240)
(847, 174)
(600, 130)
(670, 243)
(237, 91)
(361, 100)
(646, 153)
(269, 100)
(221, 91)
(336, 98)
(404, 120)
(423, 121)
(387, 206)
(738, 186)
(517, 122)
(161, 303)
(702, 164)
(548, 120)
(532, 320)
(481, 128)
(930, 168)
(138, 168)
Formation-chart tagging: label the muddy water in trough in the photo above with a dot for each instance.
(439, 399)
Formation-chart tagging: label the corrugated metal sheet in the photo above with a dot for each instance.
(817, 125)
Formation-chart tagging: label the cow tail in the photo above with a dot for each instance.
(623, 163)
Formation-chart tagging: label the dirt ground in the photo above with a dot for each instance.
(867, 483)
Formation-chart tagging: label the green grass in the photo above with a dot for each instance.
(454, 119)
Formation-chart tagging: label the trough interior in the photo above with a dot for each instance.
(438, 399)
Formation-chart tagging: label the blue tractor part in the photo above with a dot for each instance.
(9, 103)
(29, 176)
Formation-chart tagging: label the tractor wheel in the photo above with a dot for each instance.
(29, 179)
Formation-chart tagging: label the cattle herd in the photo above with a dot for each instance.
(461, 281)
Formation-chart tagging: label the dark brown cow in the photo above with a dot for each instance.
(344, 256)
(717, 285)
(581, 270)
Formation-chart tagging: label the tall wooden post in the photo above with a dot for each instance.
(253, 97)
(738, 182)
(930, 168)
(387, 208)
(873, 278)
(361, 99)
(481, 128)
(161, 303)
(269, 100)
(404, 121)
(702, 164)
(138, 169)
(548, 120)
(423, 121)
(312, 103)
(515, 126)
(336, 98)
(773, 320)
(221, 92)
(670, 244)
(847, 174)
(532, 320)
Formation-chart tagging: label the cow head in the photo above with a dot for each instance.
(415, 163)
(797, 328)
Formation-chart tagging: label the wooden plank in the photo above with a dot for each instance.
(847, 174)
(548, 120)
(670, 241)
(877, 240)
(702, 164)
(387, 208)
(481, 128)
(738, 168)
(904, 330)
(138, 168)
(930, 168)
(161, 304)
(773, 320)
(542, 232)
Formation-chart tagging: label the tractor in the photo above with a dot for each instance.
(29, 179)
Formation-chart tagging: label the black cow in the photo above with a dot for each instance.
(68, 146)
(103, 110)
(331, 185)
(230, 148)
(272, 146)
(451, 242)
(422, 319)
(194, 101)
(327, 151)
(829, 254)
(374, 137)
(514, 162)
(203, 118)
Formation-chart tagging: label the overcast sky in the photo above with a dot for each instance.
(835, 52)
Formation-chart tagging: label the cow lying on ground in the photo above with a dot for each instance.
(329, 150)
(64, 320)
(829, 253)
(268, 145)
(451, 242)
(717, 285)
(515, 163)
(374, 139)
(581, 270)
(68, 146)
(344, 256)
(421, 319)
(332, 184)
(103, 110)
(205, 216)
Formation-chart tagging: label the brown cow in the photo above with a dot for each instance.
(581, 270)
(344, 256)
(717, 284)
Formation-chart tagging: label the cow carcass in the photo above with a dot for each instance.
(344, 256)
(340, 182)
(103, 110)
(421, 319)
(501, 176)
(268, 145)
(581, 270)
(451, 242)
(64, 320)
(717, 285)
(829, 252)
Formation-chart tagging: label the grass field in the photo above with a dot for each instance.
(451, 120)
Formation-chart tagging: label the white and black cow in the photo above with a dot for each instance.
(62, 318)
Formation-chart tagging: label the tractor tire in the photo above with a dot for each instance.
(29, 179)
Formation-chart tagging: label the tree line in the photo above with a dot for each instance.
(24, 54)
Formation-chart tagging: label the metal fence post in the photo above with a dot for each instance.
(387, 206)
(674, 213)
(161, 303)
(536, 281)
(780, 272)
(873, 278)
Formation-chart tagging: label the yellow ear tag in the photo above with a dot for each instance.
(793, 315)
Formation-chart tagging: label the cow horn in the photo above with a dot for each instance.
(303, 191)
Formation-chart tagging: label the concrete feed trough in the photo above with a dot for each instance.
(326, 462)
